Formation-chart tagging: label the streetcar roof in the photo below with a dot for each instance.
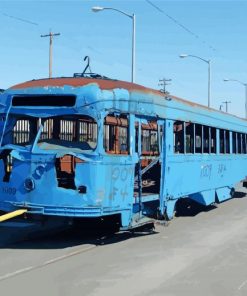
(111, 84)
(104, 84)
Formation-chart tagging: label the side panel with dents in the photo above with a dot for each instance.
(104, 184)
(108, 187)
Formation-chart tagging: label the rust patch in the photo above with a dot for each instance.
(67, 163)
(65, 171)
(112, 120)
(107, 85)
(81, 81)
(102, 83)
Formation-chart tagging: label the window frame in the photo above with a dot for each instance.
(114, 122)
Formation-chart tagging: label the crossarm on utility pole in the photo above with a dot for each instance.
(51, 35)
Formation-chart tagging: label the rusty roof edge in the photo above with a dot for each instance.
(50, 82)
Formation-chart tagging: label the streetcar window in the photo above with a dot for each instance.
(239, 143)
(116, 134)
(198, 138)
(178, 130)
(222, 141)
(244, 144)
(87, 131)
(189, 134)
(79, 132)
(234, 143)
(136, 135)
(48, 130)
(73, 132)
(44, 100)
(24, 131)
(227, 140)
(213, 139)
(161, 138)
(146, 141)
(149, 138)
(205, 139)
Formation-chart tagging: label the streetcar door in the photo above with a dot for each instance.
(148, 146)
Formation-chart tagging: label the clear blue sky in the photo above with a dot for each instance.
(106, 38)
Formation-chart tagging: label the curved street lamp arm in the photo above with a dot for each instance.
(194, 56)
(209, 73)
(133, 17)
(237, 81)
(125, 13)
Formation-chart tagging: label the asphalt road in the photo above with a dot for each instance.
(199, 253)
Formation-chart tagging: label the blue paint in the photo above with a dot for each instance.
(204, 197)
(169, 208)
(109, 179)
(223, 193)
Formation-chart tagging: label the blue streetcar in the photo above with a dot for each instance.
(86, 147)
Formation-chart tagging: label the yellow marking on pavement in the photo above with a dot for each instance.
(12, 215)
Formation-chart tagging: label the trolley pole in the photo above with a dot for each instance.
(51, 35)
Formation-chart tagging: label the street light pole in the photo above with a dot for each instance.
(245, 86)
(133, 17)
(209, 83)
(209, 73)
(133, 48)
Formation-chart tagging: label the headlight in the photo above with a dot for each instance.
(29, 184)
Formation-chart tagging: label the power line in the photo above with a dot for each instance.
(19, 19)
(179, 24)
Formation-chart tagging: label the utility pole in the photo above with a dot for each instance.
(245, 86)
(51, 35)
(226, 102)
(163, 82)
